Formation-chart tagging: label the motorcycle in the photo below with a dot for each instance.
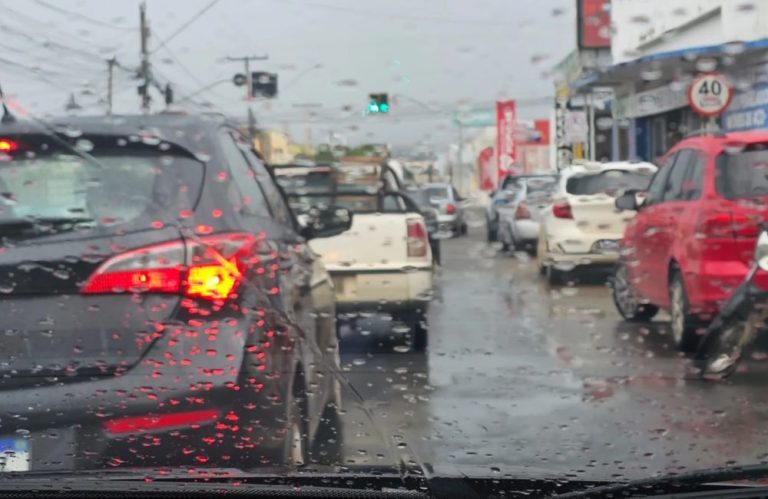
(744, 313)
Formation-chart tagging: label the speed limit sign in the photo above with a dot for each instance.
(710, 94)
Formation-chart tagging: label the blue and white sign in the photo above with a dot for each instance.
(749, 108)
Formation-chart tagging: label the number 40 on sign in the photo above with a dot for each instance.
(710, 94)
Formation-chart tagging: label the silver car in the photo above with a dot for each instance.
(518, 220)
(450, 205)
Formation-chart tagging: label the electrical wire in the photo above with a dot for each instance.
(78, 15)
(184, 26)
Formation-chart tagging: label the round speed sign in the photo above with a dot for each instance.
(710, 94)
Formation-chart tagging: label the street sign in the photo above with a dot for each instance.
(239, 79)
(710, 94)
(469, 118)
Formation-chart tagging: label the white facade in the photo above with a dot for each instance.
(643, 27)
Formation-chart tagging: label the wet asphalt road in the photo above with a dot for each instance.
(525, 380)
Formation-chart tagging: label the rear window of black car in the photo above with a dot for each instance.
(112, 186)
(743, 172)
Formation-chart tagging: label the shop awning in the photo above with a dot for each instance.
(667, 66)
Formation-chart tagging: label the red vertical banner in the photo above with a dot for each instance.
(506, 125)
(486, 170)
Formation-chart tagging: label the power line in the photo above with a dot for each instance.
(185, 25)
(406, 17)
(83, 17)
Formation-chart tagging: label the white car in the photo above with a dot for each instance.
(518, 220)
(582, 226)
(383, 263)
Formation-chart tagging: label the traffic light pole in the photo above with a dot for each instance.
(249, 88)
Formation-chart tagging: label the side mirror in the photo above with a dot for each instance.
(627, 201)
(327, 221)
(761, 250)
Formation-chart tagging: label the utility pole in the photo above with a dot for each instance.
(110, 74)
(144, 72)
(249, 87)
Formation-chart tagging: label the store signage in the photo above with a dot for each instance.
(506, 128)
(594, 24)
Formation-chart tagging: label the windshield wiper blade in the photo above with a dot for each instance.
(33, 221)
(683, 482)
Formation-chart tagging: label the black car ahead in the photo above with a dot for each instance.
(158, 302)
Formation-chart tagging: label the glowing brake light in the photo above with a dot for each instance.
(450, 208)
(124, 426)
(7, 145)
(210, 268)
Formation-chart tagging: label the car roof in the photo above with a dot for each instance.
(165, 125)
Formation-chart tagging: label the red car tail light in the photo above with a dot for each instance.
(417, 239)
(450, 208)
(727, 225)
(153, 422)
(210, 268)
(522, 212)
(562, 209)
(8, 145)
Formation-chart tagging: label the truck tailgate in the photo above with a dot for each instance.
(375, 241)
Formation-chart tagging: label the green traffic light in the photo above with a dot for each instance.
(383, 107)
(373, 107)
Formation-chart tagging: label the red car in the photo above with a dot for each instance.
(695, 231)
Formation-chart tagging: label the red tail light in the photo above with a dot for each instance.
(562, 209)
(522, 212)
(210, 268)
(7, 145)
(450, 208)
(155, 422)
(728, 225)
(417, 239)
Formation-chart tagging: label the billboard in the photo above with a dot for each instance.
(594, 28)
(506, 128)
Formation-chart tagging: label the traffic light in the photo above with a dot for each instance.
(263, 84)
(378, 104)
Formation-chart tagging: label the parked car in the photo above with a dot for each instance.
(420, 197)
(518, 220)
(506, 193)
(384, 263)
(157, 293)
(450, 205)
(582, 228)
(695, 231)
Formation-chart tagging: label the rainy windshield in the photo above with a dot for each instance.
(516, 242)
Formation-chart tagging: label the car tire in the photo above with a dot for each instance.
(493, 231)
(416, 320)
(328, 445)
(295, 449)
(626, 300)
(464, 229)
(683, 324)
(554, 276)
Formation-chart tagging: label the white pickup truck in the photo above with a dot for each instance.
(384, 262)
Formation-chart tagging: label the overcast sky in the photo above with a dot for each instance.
(432, 56)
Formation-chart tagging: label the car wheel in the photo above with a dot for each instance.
(464, 229)
(682, 323)
(493, 231)
(553, 275)
(328, 445)
(541, 255)
(626, 300)
(416, 320)
(295, 448)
